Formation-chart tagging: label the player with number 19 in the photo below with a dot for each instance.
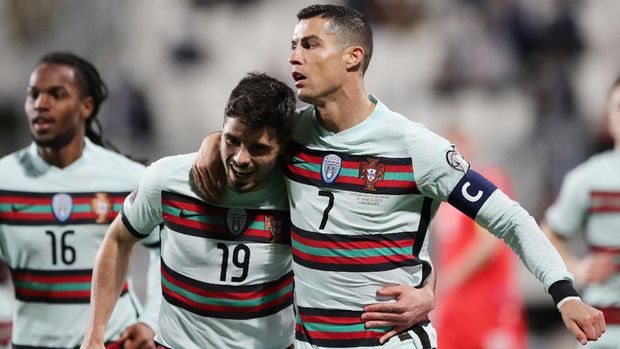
(226, 276)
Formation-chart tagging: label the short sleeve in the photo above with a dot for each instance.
(567, 213)
(142, 208)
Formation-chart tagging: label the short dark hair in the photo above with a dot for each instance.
(261, 101)
(91, 85)
(352, 27)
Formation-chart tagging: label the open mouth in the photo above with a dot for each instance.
(42, 123)
(241, 172)
(298, 77)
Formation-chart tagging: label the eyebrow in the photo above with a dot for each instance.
(306, 38)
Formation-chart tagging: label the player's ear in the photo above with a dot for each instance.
(354, 57)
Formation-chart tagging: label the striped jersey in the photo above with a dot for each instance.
(590, 199)
(52, 222)
(226, 270)
(362, 201)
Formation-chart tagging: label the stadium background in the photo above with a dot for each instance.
(524, 80)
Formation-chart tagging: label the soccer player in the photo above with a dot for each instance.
(590, 199)
(57, 197)
(364, 183)
(226, 269)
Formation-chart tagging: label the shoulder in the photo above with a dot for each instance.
(14, 159)
(115, 161)
(593, 166)
(170, 169)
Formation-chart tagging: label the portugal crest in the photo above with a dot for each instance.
(371, 171)
(330, 168)
(102, 206)
(236, 219)
(62, 206)
(273, 226)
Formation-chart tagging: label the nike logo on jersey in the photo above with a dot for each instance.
(19, 208)
(186, 214)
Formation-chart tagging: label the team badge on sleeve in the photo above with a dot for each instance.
(62, 206)
(456, 160)
(371, 171)
(102, 206)
(330, 168)
(236, 219)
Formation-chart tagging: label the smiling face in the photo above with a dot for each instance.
(249, 154)
(318, 58)
(55, 108)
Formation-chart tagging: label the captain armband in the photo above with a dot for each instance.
(471, 192)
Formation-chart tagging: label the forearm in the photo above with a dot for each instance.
(511, 223)
(109, 274)
(557, 242)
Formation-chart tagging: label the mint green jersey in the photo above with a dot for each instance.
(52, 222)
(362, 202)
(226, 270)
(589, 199)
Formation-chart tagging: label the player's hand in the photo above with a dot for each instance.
(411, 306)
(584, 321)
(138, 336)
(207, 171)
(595, 268)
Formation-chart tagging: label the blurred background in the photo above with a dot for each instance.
(524, 80)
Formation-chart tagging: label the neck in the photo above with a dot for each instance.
(63, 156)
(346, 108)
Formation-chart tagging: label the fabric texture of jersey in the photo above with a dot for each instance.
(52, 222)
(361, 204)
(589, 199)
(489, 298)
(226, 270)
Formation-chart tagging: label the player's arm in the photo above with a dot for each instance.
(475, 196)
(593, 268)
(208, 171)
(110, 271)
(141, 334)
(412, 305)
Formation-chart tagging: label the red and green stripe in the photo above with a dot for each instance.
(225, 301)
(190, 216)
(614, 252)
(304, 166)
(54, 286)
(27, 208)
(335, 328)
(360, 253)
(604, 202)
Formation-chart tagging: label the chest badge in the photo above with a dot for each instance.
(372, 172)
(236, 220)
(330, 168)
(102, 206)
(62, 206)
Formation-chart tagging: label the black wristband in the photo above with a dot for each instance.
(562, 289)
